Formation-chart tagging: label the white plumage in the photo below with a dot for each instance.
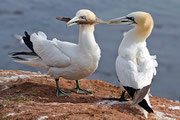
(135, 66)
(49, 51)
(65, 59)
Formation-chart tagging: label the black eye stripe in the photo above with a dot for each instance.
(130, 18)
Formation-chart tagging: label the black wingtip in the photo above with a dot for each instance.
(145, 105)
(24, 38)
(27, 41)
(25, 32)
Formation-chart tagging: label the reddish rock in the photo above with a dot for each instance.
(29, 95)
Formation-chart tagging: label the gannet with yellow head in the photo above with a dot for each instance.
(65, 59)
(135, 66)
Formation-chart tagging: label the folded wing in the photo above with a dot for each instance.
(48, 51)
(138, 72)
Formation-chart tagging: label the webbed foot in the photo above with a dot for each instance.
(62, 93)
(81, 91)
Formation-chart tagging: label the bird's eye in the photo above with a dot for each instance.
(130, 18)
(83, 17)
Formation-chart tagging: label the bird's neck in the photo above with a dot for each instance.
(86, 37)
(133, 38)
(140, 33)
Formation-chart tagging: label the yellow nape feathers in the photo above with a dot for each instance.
(144, 24)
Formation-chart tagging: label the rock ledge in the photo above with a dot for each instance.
(28, 95)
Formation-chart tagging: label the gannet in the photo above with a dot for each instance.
(65, 59)
(135, 67)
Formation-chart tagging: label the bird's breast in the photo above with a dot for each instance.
(83, 65)
(89, 62)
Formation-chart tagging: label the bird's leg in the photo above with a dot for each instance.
(59, 91)
(121, 99)
(79, 90)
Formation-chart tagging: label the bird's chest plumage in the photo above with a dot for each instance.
(89, 62)
(129, 48)
(83, 64)
(128, 52)
(134, 65)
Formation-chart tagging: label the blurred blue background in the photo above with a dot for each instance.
(16, 16)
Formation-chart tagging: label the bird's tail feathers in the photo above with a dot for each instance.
(22, 53)
(15, 55)
(34, 62)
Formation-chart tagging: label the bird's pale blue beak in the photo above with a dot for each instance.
(123, 20)
(73, 21)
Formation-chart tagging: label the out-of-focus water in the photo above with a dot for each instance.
(39, 15)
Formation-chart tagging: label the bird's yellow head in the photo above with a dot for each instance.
(82, 17)
(141, 20)
(135, 19)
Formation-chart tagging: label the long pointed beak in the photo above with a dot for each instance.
(73, 21)
(122, 20)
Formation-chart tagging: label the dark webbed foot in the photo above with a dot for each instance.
(62, 93)
(121, 99)
(79, 90)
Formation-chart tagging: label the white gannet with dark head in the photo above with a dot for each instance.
(135, 66)
(65, 59)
